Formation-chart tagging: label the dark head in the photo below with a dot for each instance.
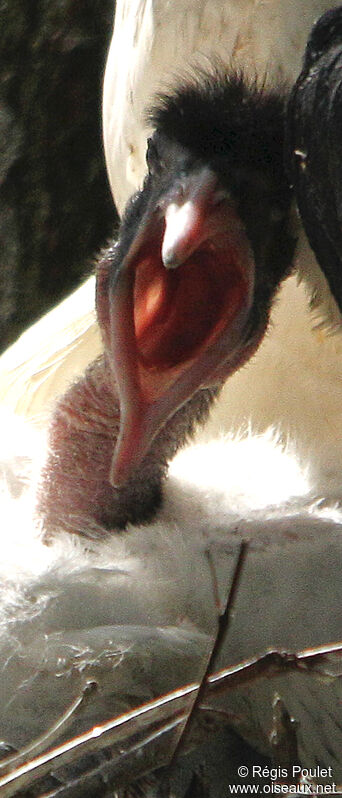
(314, 146)
(184, 298)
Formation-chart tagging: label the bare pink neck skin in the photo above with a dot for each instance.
(75, 493)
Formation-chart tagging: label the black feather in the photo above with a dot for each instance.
(314, 145)
(235, 127)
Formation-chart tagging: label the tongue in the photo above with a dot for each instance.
(173, 331)
(184, 223)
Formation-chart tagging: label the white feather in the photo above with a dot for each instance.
(78, 611)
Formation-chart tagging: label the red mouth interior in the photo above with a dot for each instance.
(172, 332)
(179, 312)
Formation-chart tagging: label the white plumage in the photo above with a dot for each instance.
(284, 500)
(123, 612)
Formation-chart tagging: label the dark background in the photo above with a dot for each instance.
(56, 209)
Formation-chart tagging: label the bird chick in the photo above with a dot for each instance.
(183, 300)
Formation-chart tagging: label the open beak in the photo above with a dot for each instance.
(176, 319)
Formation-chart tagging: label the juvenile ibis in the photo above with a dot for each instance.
(183, 299)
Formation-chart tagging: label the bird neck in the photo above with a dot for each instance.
(75, 493)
